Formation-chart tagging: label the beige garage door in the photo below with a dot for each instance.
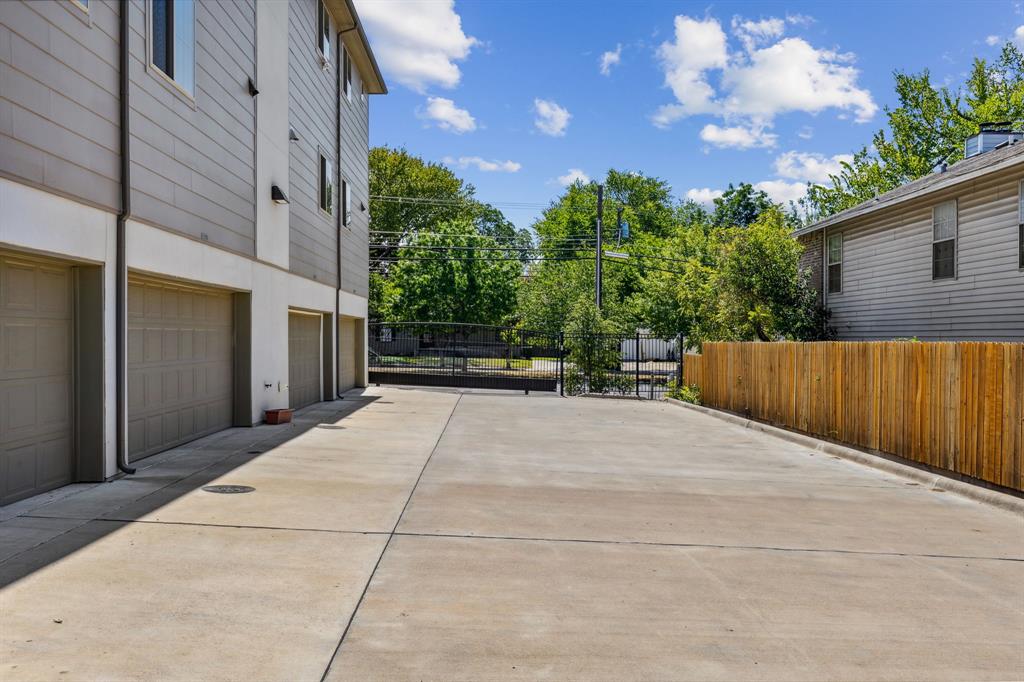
(35, 377)
(348, 336)
(303, 359)
(179, 364)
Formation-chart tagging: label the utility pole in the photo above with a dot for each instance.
(597, 270)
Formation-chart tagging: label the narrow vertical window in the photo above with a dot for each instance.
(172, 40)
(326, 185)
(323, 32)
(346, 73)
(346, 204)
(835, 264)
(944, 240)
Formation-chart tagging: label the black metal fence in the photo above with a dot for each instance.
(482, 356)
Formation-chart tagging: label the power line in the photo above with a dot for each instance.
(455, 202)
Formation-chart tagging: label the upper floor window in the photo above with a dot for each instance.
(346, 76)
(1020, 225)
(326, 185)
(323, 32)
(835, 264)
(172, 40)
(944, 240)
(82, 4)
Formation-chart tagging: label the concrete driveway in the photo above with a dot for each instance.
(426, 535)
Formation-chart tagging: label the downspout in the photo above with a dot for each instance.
(339, 211)
(121, 261)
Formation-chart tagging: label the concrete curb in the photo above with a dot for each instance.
(933, 481)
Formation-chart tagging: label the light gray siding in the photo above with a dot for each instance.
(59, 98)
(312, 113)
(193, 159)
(888, 291)
(355, 150)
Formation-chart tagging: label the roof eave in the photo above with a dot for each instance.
(362, 55)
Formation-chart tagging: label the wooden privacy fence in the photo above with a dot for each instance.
(954, 406)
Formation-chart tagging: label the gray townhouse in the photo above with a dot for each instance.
(183, 223)
(940, 258)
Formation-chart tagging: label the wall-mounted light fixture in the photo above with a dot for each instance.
(292, 135)
(252, 88)
(277, 195)
(362, 207)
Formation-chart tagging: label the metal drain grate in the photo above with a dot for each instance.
(228, 489)
(335, 427)
(254, 452)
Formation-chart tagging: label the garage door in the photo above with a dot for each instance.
(303, 359)
(35, 377)
(348, 335)
(179, 364)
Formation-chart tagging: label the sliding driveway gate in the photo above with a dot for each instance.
(483, 356)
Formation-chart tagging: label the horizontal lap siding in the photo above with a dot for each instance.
(59, 98)
(193, 167)
(953, 406)
(312, 113)
(888, 291)
(355, 150)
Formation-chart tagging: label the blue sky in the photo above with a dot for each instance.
(512, 96)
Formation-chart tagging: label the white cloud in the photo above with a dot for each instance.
(483, 164)
(703, 195)
(809, 167)
(805, 133)
(992, 40)
(417, 43)
(770, 75)
(754, 33)
(610, 59)
(800, 19)
(698, 47)
(782, 192)
(551, 118)
(1018, 37)
(447, 116)
(573, 176)
(737, 137)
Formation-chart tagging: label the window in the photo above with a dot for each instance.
(326, 185)
(323, 33)
(944, 240)
(172, 40)
(81, 4)
(346, 82)
(1020, 225)
(346, 204)
(835, 264)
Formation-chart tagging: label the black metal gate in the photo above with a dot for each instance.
(481, 356)
(463, 356)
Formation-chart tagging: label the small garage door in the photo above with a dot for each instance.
(348, 336)
(179, 364)
(35, 377)
(303, 359)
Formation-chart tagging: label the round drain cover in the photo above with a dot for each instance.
(228, 489)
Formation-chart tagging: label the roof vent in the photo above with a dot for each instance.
(991, 136)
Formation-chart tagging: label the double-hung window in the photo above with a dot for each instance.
(326, 185)
(944, 240)
(323, 32)
(172, 33)
(835, 264)
(1020, 225)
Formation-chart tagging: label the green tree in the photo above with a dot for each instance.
(928, 126)
(591, 361)
(740, 206)
(452, 274)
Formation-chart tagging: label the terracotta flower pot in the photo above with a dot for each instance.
(281, 416)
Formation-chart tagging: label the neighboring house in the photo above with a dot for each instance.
(940, 258)
(226, 248)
